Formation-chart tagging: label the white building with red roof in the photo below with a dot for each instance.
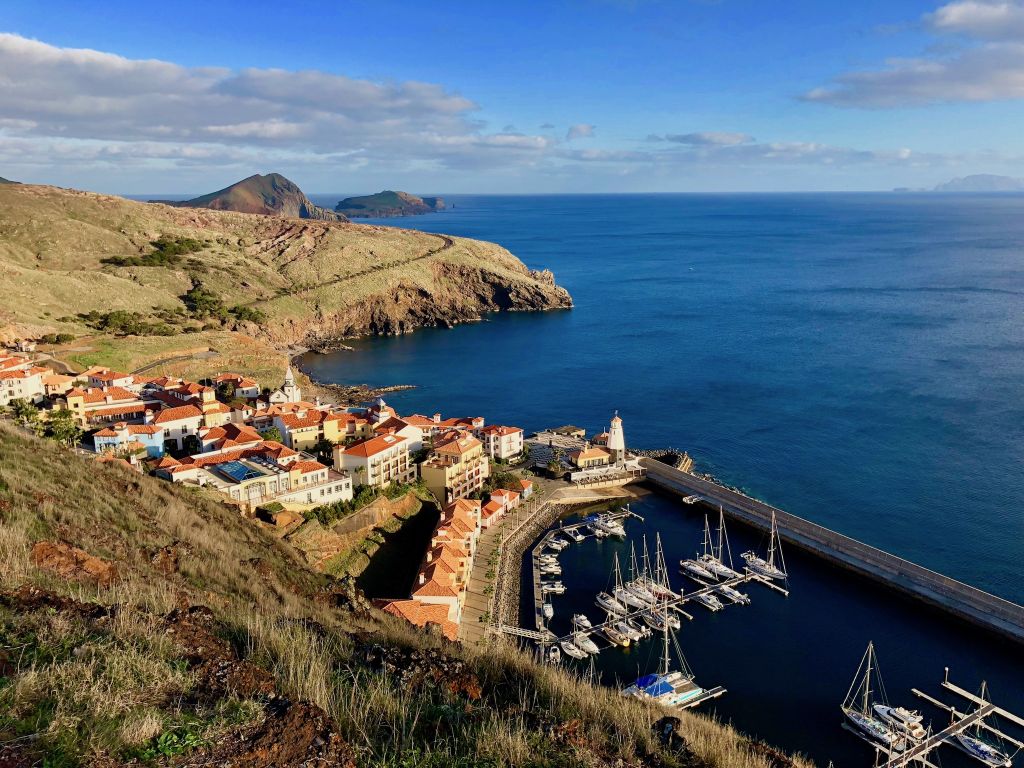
(377, 461)
(500, 442)
(178, 423)
(21, 379)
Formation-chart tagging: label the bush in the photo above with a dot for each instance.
(167, 252)
(121, 322)
(243, 314)
(202, 302)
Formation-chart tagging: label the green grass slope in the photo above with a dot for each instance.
(213, 644)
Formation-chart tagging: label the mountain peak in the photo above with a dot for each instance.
(269, 194)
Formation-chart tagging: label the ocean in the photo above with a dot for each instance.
(854, 359)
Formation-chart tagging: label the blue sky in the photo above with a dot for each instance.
(574, 96)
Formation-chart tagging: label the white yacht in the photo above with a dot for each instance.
(583, 642)
(570, 649)
(860, 707)
(610, 604)
(772, 567)
(906, 721)
(580, 621)
(708, 600)
(696, 570)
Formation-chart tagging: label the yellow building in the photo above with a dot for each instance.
(456, 469)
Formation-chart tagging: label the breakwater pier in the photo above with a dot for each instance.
(962, 600)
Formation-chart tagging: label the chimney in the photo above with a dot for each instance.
(437, 418)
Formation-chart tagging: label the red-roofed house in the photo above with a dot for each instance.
(457, 468)
(179, 423)
(509, 500)
(502, 443)
(377, 461)
(112, 404)
(397, 426)
(21, 380)
(422, 614)
(122, 437)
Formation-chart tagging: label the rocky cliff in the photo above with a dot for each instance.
(388, 204)
(272, 195)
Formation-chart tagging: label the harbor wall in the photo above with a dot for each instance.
(955, 597)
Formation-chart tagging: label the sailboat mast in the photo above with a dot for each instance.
(664, 657)
(721, 534)
(867, 679)
(771, 543)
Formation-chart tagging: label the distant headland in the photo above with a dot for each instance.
(388, 204)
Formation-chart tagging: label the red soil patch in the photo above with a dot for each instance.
(72, 563)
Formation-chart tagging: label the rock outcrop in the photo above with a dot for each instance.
(272, 194)
(388, 204)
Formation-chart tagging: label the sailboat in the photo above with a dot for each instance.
(623, 595)
(971, 742)
(715, 560)
(639, 581)
(667, 687)
(660, 586)
(584, 643)
(571, 649)
(859, 706)
(768, 568)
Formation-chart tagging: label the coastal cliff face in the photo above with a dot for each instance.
(65, 254)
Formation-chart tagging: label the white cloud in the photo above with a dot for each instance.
(580, 131)
(999, 20)
(988, 66)
(69, 94)
(709, 138)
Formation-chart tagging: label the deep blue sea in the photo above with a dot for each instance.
(854, 359)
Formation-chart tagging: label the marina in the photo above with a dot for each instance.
(752, 649)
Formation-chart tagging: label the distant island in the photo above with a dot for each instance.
(388, 204)
(6, 181)
(978, 182)
(272, 195)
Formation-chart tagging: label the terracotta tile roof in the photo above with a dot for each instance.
(109, 375)
(457, 445)
(13, 362)
(167, 461)
(243, 382)
(417, 420)
(374, 445)
(393, 424)
(177, 414)
(108, 432)
(504, 493)
(20, 374)
(525, 484)
(128, 409)
(491, 508)
(305, 467)
(97, 395)
(500, 431)
(420, 614)
(434, 588)
(590, 453)
(310, 419)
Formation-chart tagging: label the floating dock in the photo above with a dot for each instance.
(962, 600)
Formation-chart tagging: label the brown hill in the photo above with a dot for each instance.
(272, 194)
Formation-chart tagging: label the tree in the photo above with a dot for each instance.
(191, 445)
(324, 451)
(226, 391)
(24, 411)
(272, 433)
(63, 428)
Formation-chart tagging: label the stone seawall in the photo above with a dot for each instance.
(954, 597)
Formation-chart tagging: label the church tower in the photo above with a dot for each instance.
(290, 388)
(616, 440)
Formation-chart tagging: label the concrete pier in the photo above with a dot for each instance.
(962, 600)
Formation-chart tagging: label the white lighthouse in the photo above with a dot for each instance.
(616, 440)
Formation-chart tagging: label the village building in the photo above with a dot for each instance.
(242, 386)
(94, 406)
(227, 437)
(508, 500)
(591, 457)
(377, 461)
(21, 379)
(130, 438)
(501, 443)
(457, 467)
(260, 474)
(304, 429)
(288, 392)
(422, 614)
(397, 426)
(55, 384)
(444, 574)
(179, 424)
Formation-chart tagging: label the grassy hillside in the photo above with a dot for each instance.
(183, 635)
(65, 254)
